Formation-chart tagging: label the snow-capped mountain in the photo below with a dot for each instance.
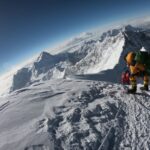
(87, 54)
(49, 107)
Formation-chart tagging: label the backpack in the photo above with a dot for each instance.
(143, 58)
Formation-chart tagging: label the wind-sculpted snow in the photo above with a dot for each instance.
(74, 115)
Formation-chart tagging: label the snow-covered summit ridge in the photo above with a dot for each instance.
(86, 54)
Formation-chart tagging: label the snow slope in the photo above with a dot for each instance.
(74, 114)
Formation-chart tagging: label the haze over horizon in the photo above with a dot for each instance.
(28, 27)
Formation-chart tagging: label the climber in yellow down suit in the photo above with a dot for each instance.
(136, 70)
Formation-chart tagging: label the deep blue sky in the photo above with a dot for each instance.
(29, 26)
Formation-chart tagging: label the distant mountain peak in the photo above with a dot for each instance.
(44, 56)
(131, 28)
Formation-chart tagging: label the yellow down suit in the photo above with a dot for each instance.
(136, 69)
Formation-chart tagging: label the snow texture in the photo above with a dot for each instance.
(74, 114)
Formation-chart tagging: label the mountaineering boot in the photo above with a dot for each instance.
(144, 88)
(146, 81)
(132, 90)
